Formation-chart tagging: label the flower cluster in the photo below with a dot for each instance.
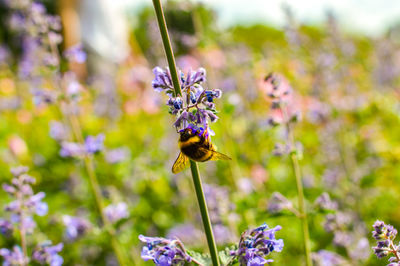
(22, 209)
(45, 253)
(39, 32)
(284, 108)
(195, 105)
(13, 257)
(25, 203)
(385, 235)
(256, 244)
(278, 203)
(163, 251)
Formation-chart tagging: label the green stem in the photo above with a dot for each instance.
(195, 171)
(204, 212)
(302, 211)
(167, 46)
(299, 184)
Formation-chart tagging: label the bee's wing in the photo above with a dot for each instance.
(180, 163)
(219, 156)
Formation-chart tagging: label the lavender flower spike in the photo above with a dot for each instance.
(45, 253)
(13, 257)
(196, 105)
(256, 244)
(385, 235)
(164, 252)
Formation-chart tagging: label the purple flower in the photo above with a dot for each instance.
(328, 258)
(278, 202)
(385, 235)
(13, 257)
(163, 251)
(72, 86)
(195, 105)
(256, 244)
(223, 234)
(76, 226)
(6, 227)
(94, 144)
(162, 80)
(71, 149)
(324, 202)
(187, 233)
(116, 212)
(45, 253)
(19, 170)
(25, 203)
(76, 54)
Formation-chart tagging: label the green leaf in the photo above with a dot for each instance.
(203, 259)
(225, 256)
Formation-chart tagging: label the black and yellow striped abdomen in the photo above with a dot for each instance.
(197, 148)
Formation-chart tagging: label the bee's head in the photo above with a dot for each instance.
(189, 132)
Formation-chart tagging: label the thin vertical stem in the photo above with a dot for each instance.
(195, 171)
(204, 212)
(299, 184)
(167, 46)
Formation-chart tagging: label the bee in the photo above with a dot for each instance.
(195, 144)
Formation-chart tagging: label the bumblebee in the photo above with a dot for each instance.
(195, 144)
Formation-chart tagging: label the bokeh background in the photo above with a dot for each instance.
(342, 59)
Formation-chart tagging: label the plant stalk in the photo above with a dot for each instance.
(204, 212)
(300, 192)
(167, 46)
(193, 166)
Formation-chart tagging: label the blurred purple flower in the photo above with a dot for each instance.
(256, 244)
(187, 233)
(71, 149)
(45, 253)
(324, 202)
(278, 203)
(6, 227)
(25, 203)
(13, 257)
(116, 212)
(328, 258)
(218, 202)
(285, 107)
(76, 54)
(94, 144)
(76, 226)
(222, 234)
(163, 251)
